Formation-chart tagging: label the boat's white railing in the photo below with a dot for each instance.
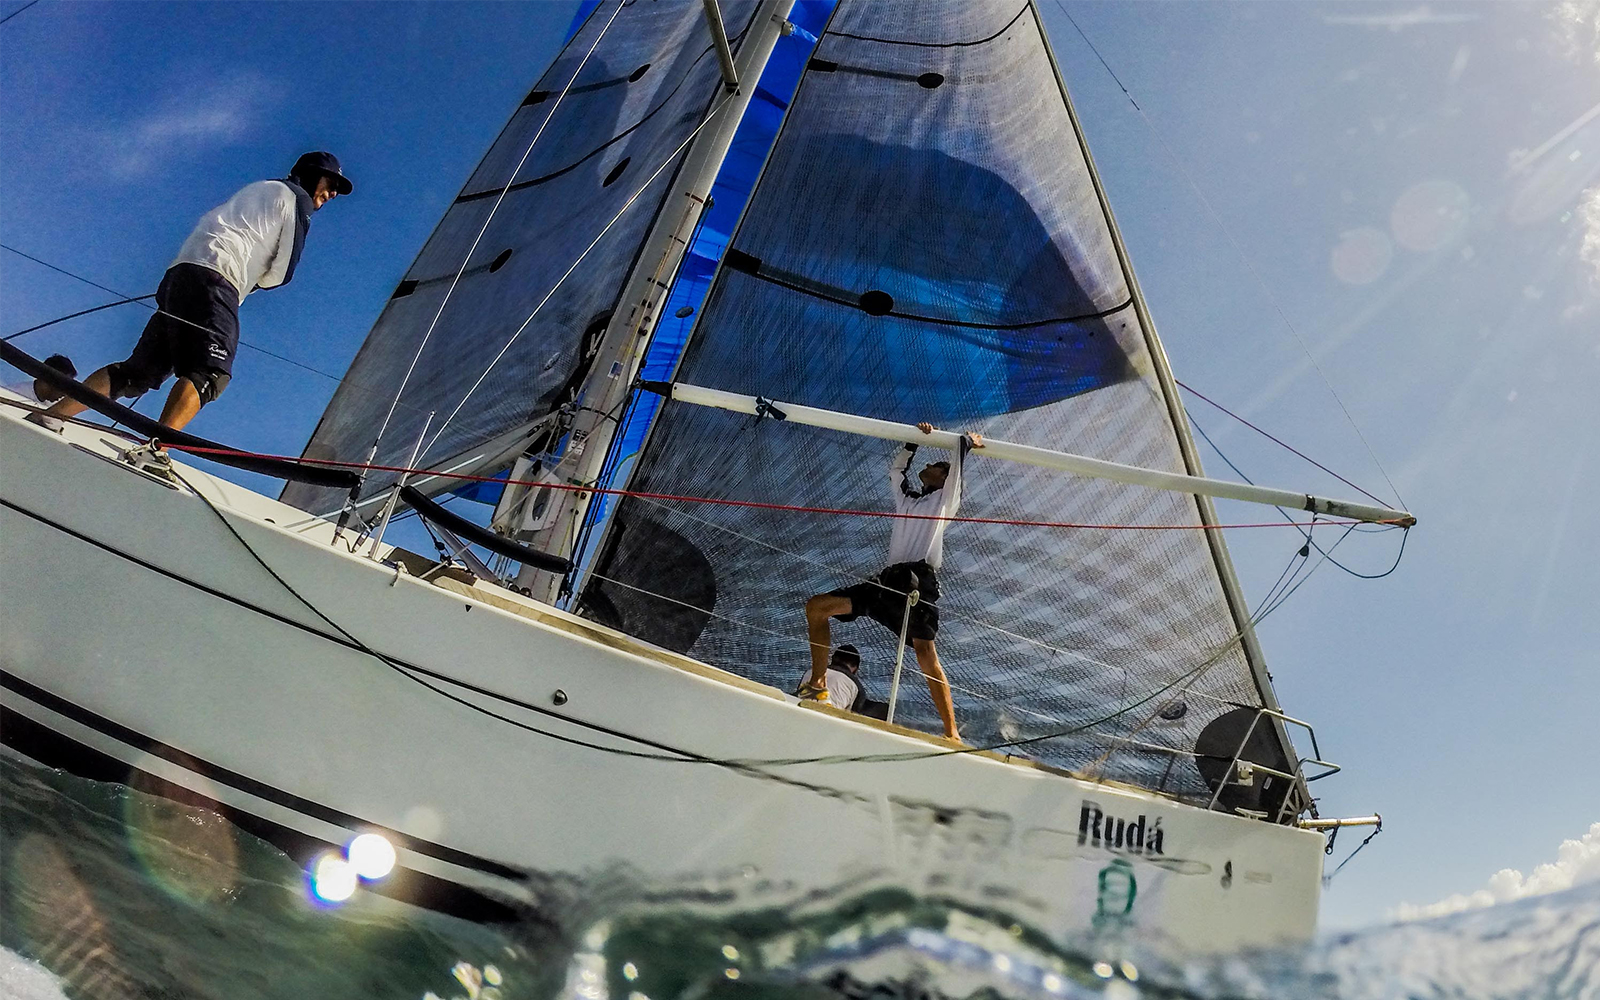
(1242, 772)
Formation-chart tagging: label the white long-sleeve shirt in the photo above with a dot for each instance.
(917, 539)
(248, 239)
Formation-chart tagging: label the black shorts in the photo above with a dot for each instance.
(882, 598)
(200, 349)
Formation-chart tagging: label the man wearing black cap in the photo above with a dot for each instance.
(252, 240)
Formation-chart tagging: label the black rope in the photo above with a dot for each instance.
(19, 10)
(162, 312)
(681, 756)
(1406, 532)
(81, 312)
(1329, 877)
(934, 45)
(1097, 55)
(840, 297)
(545, 178)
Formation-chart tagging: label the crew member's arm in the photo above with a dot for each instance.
(898, 466)
(952, 482)
(278, 231)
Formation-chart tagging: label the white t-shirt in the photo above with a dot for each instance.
(920, 539)
(248, 239)
(842, 689)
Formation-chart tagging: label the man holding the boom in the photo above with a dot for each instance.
(916, 551)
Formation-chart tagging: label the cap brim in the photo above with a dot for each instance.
(341, 183)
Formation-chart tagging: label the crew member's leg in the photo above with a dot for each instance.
(819, 610)
(204, 342)
(183, 402)
(66, 406)
(145, 369)
(938, 684)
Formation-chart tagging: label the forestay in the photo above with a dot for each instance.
(639, 97)
(926, 244)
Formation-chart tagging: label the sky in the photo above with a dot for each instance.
(1372, 229)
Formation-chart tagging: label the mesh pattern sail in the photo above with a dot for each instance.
(926, 244)
(647, 86)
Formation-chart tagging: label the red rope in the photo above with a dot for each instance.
(1284, 444)
(759, 505)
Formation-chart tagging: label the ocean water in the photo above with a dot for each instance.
(112, 893)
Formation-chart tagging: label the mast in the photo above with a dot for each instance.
(623, 344)
(1234, 593)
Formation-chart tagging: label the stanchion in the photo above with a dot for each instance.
(394, 494)
(900, 653)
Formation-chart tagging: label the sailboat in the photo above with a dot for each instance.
(720, 262)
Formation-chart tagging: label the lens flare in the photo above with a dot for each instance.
(333, 879)
(1361, 256)
(371, 855)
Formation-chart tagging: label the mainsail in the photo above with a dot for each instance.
(927, 243)
(644, 89)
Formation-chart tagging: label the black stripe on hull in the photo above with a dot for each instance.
(54, 749)
(244, 783)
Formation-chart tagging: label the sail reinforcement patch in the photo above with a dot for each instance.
(877, 302)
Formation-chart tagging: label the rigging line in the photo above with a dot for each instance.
(1329, 877)
(843, 572)
(81, 312)
(989, 747)
(1222, 650)
(934, 45)
(790, 638)
(1286, 587)
(188, 322)
(815, 293)
(1284, 575)
(1276, 441)
(412, 674)
(757, 504)
(568, 273)
(1300, 527)
(406, 379)
(1252, 623)
(1248, 263)
(19, 10)
(740, 766)
(59, 270)
(688, 73)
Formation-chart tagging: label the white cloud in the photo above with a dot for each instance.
(222, 111)
(1578, 27)
(1577, 861)
(1589, 218)
(1400, 19)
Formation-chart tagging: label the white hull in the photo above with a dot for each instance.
(140, 634)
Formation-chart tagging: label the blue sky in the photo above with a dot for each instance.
(1399, 201)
